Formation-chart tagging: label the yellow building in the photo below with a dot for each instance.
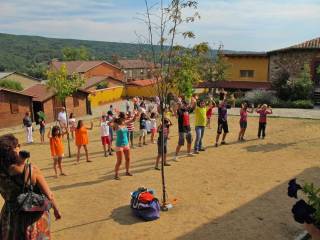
(245, 71)
(249, 67)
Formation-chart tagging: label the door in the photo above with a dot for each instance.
(37, 106)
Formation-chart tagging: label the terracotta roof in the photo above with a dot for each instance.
(143, 83)
(134, 63)
(235, 85)
(14, 91)
(97, 79)
(41, 92)
(311, 44)
(79, 66)
(246, 54)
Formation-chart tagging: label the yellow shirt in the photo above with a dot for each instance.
(201, 117)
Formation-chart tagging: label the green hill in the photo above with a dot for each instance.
(24, 53)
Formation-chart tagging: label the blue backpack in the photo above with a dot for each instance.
(146, 209)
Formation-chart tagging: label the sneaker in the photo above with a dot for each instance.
(167, 164)
(110, 153)
(145, 144)
(176, 158)
(223, 143)
(157, 168)
(216, 145)
(140, 145)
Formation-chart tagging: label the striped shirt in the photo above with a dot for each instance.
(130, 126)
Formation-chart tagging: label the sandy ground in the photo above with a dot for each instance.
(236, 191)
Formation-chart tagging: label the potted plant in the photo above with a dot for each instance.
(306, 211)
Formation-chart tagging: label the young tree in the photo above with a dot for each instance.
(64, 86)
(303, 86)
(164, 24)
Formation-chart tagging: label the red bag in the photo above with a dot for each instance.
(186, 119)
(145, 197)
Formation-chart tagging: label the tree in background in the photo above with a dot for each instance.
(64, 86)
(281, 85)
(38, 71)
(220, 66)
(72, 54)
(11, 84)
(188, 68)
(303, 86)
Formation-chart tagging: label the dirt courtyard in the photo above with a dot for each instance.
(237, 191)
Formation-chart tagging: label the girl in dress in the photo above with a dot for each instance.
(82, 139)
(243, 120)
(57, 149)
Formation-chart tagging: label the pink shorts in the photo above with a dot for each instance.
(154, 130)
(105, 140)
(123, 148)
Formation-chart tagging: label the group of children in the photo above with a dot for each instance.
(123, 127)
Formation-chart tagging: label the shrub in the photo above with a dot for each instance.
(307, 104)
(281, 85)
(260, 97)
(303, 86)
(11, 84)
(102, 85)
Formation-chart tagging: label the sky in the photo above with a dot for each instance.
(243, 25)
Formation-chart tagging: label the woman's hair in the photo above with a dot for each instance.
(54, 131)
(122, 115)
(8, 156)
(153, 115)
(79, 124)
(71, 115)
(119, 121)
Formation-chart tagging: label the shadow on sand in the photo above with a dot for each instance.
(266, 217)
(124, 216)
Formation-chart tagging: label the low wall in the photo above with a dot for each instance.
(103, 96)
(146, 91)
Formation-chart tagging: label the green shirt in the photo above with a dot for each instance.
(201, 116)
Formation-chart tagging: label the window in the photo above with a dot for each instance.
(246, 73)
(14, 106)
(75, 101)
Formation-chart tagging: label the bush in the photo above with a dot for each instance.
(102, 85)
(11, 84)
(257, 97)
(304, 104)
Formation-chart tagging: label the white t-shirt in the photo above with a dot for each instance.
(72, 122)
(104, 129)
(153, 123)
(62, 117)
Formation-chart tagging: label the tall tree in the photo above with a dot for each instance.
(220, 66)
(64, 86)
(163, 27)
(71, 54)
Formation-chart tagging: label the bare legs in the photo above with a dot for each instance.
(126, 154)
(58, 161)
(86, 151)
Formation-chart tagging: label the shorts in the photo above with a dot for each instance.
(122, 148)
(153, 130)
(105, 140)
(243, 125)
(184, 135)
(42, 131)
(143, 132)
(160, 149)
(222, 125)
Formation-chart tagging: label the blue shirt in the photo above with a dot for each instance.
(122, 137)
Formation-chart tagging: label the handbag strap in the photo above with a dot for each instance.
(28, 180)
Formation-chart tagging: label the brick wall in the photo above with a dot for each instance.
(292, 61)
(105, 69)
(8, 119)
(80, 109)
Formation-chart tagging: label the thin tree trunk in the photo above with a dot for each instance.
(164, 193)
(68, 136)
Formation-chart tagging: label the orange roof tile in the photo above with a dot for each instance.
(143, 83)
(311, 44)
(134, 63)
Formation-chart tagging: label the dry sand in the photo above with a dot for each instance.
(230, 192)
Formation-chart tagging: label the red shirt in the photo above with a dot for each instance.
(263, 115)
(209, 112)
(243, 115)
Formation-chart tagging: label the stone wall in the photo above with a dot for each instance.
(292, 61)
